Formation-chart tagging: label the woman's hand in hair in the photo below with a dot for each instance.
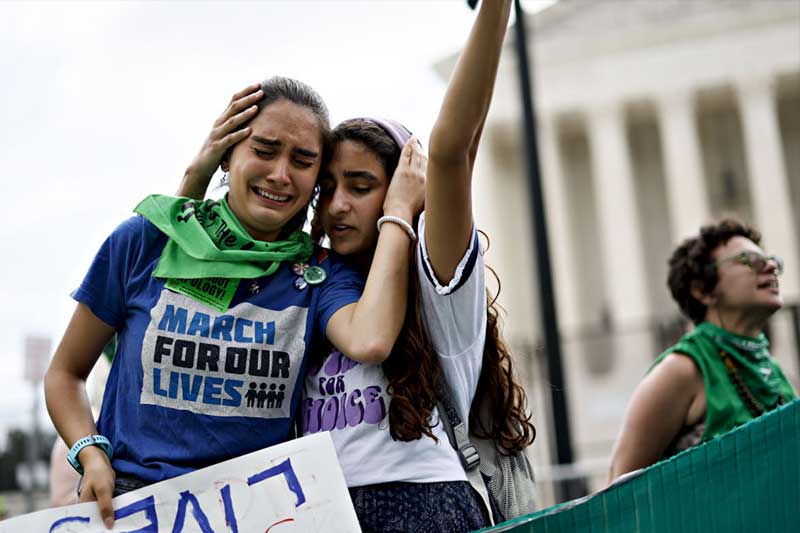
(406, 194)
(225, 133)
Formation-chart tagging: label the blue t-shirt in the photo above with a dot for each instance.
(190, 386)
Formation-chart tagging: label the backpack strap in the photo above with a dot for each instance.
(459, 440)
(455, 429)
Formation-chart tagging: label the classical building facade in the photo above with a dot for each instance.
(653, 118)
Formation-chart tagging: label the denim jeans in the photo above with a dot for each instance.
(122, 485)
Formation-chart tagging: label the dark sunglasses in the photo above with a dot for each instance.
(756, 261)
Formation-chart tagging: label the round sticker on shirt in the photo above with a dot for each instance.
(314, 275)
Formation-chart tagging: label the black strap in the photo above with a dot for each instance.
(454, 427)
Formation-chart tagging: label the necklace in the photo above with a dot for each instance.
(750, 401)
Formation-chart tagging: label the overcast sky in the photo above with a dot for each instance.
(103, 103)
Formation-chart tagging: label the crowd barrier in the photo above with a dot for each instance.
(747, 480)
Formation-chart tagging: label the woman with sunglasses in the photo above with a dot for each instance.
(720, 375)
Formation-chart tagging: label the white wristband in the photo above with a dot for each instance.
(397, 220)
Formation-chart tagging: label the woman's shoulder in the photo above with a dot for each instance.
(136, 237)
(136, 226)
(680, 366)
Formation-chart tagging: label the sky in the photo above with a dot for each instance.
(103, 103)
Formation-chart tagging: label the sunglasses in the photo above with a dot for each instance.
(756, 261)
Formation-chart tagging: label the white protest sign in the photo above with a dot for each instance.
(294, 487)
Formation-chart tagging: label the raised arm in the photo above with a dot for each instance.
(367, 329)
(225, 133)
(455, 137)
(68, 404)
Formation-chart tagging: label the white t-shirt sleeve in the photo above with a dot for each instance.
(454, 312)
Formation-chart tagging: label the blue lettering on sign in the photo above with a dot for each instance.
(148, 505)
(197, 512)
(60, 522)
(286, 469)
(227, 504)
(223, 327)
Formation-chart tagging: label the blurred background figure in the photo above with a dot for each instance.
(720, 375)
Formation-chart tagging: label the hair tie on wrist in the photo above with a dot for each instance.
(399, 221)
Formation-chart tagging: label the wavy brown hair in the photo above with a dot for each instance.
(413, 368)
(500, 407)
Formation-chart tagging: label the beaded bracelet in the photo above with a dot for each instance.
(402, 223)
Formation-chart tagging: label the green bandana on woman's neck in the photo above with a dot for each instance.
(206, 240)
(746, 349)
(725, 409)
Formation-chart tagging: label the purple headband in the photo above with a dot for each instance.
(399, 133)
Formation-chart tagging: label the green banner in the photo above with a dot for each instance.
(747, 480)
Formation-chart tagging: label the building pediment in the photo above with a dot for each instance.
(576, 29)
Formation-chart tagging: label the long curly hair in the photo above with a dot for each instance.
(692, 264)
(413, 368)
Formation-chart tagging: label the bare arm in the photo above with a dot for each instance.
(367, 330)
(68, 404)
(455, 137)
(659, 408)
(223, 135)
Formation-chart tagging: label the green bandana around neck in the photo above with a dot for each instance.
(207, 242)
(761, 374)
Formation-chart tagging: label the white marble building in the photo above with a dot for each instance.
(653, 118)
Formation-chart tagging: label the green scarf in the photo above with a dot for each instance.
(207, 240)
(209, 250)
(759, 371)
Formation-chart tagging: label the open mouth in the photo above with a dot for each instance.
(281, 199)
(769, 284)
(339, 230)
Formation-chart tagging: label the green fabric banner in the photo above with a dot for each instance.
(747, 480)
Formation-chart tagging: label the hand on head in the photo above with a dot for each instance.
(406, 195)
(226, 132)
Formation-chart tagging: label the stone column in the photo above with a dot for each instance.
(622, 259)
(687, 197)
(558, 225)
(769, 187)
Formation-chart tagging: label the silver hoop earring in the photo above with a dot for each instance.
(224, 182)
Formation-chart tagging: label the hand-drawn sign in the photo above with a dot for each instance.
(297, 486)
